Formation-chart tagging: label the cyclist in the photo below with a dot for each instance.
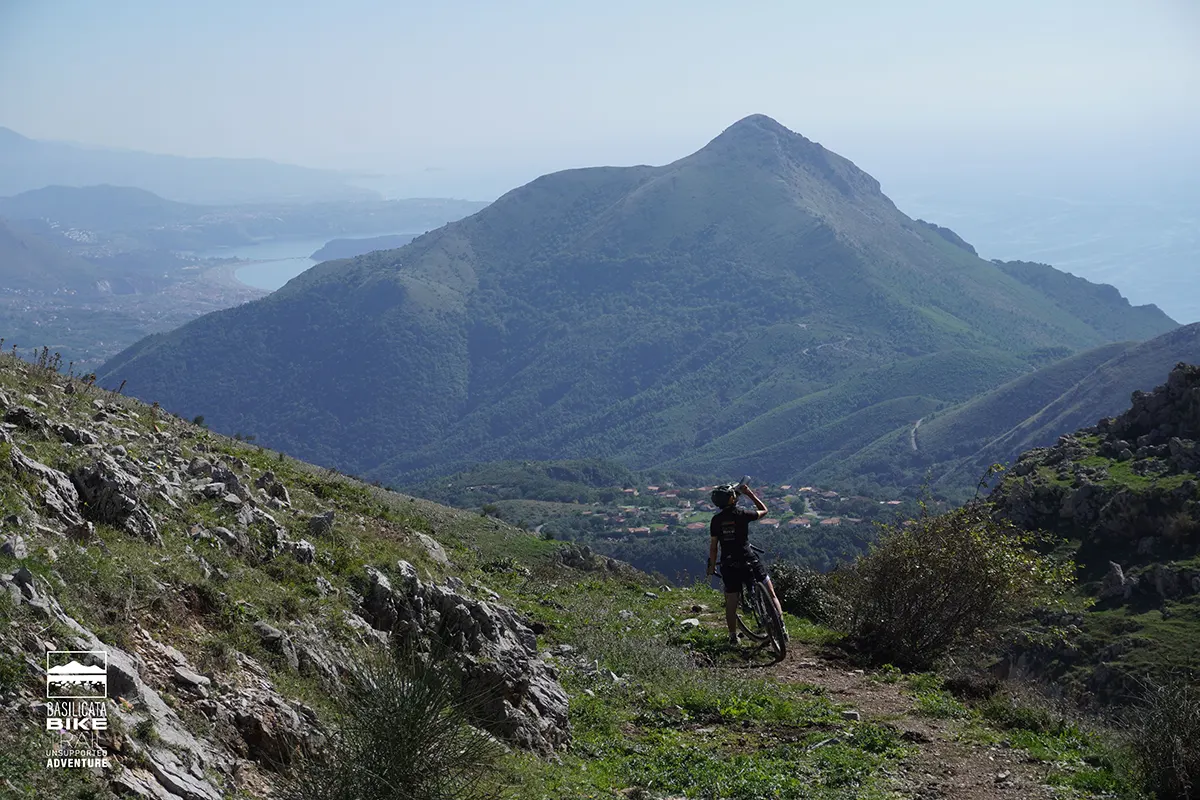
(730, 531)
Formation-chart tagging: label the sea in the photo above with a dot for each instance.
(274, 262)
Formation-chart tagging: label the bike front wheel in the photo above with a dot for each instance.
(769, 620)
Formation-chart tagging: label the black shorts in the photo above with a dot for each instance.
(736, 574)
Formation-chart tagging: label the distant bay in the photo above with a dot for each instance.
(275, 262)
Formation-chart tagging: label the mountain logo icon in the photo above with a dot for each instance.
(77, 674)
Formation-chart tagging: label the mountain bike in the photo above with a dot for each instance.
(766, 626)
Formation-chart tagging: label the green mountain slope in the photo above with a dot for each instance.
(633, 313)
(954, 446)
(1097, 304)
(28, 263)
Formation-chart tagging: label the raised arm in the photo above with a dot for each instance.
(759, 505)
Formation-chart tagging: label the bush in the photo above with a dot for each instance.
(803, 592)
(1162, 731)
(406, 737)
(936, 582)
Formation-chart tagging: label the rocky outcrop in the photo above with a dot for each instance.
(255, 611)
(59, 494)
(517, 695)
(582, 557)
(1128, 491)
(1128, 488)
(110, 495)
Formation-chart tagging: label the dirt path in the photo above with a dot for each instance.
(944, 767)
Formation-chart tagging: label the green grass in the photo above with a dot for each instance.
(686, 717)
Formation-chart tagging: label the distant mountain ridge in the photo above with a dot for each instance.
(27, 164)
(139, 218)
(760, 293)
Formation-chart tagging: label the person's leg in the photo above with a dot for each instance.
(731, 604)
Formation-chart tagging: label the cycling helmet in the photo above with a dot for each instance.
(724, 495)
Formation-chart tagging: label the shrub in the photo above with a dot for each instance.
(934, 583)
(1162, 731)
(803, 592)
(406, 736)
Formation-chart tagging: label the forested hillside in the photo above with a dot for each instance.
(760, 298)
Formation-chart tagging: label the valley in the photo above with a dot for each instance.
(115, 265)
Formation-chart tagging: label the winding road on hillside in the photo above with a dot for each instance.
(912, 435)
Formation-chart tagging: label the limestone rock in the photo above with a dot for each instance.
(321, 525)
(110, 496)
(435, 549)
(60, 494)
(493, 648)
(14, 546)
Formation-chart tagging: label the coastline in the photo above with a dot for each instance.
(224, 277)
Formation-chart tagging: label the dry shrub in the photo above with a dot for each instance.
(406, 735)
(1162, 732)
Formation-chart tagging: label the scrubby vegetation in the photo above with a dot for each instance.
(936, 582)
(1163, 734)
(404, 734)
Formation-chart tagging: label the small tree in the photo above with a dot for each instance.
(405, 736)
(933, 583)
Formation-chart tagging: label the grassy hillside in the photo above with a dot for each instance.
(1102, 393)
(906, 455)
(760, 286)
(235, 624)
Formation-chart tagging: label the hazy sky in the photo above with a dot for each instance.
(497, 92)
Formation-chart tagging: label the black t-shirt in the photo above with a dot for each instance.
(731, 526)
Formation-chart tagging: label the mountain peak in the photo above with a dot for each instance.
(757, 141)
(756, 131)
